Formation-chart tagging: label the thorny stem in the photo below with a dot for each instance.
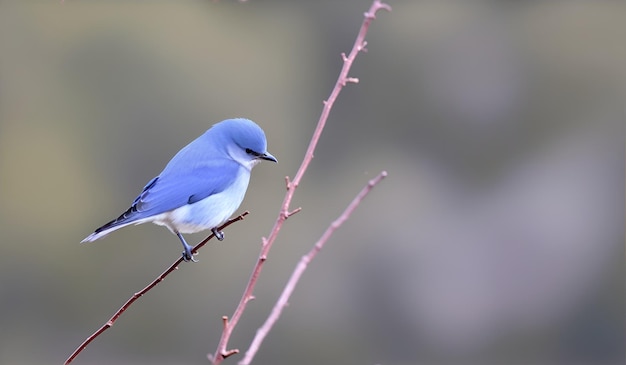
(359, 45)
(143, 291)
(283, 300)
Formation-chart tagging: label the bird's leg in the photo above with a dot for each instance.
(187, 256)
(219, 235)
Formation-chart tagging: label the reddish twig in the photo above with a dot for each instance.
(143, 291)
(283, 300)
(222, 351)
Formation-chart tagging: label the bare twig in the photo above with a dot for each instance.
(283, 300)
(143, 291)
(222, 351)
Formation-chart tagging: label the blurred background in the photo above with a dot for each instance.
(498, 236)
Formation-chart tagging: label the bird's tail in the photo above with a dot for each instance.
(123, 220)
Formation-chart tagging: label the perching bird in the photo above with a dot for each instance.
(201, 186)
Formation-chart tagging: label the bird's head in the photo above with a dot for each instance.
(245, 141)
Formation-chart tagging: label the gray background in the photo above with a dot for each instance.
(497, 237)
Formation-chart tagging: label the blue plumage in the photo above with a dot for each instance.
(201, 186)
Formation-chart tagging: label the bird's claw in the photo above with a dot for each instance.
(219, 235)
(187, 256)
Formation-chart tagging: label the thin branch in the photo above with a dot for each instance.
(222, 351)
(143, 291)
(283, 300)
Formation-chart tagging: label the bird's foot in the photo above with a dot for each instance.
(187, 256)
(219, 235)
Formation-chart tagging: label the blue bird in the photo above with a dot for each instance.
(201, 186)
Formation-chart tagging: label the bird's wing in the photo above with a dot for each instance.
(172, 190)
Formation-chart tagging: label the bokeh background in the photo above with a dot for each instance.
(498, 236)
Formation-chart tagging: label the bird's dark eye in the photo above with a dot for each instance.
(251, 152)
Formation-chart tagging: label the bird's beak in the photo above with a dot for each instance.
(268, 156)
